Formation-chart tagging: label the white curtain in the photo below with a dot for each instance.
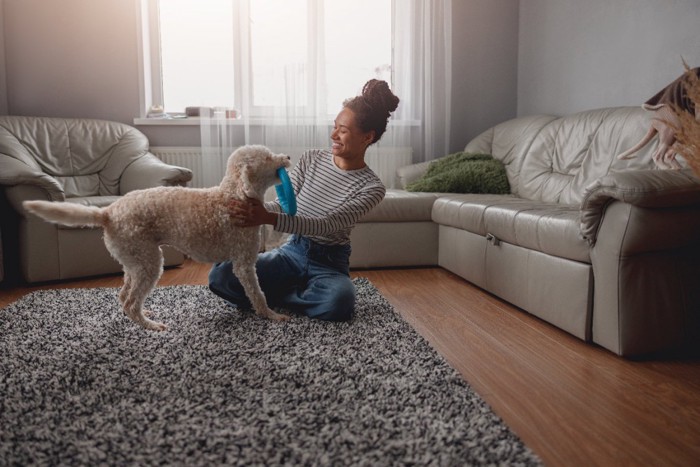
(421, 75)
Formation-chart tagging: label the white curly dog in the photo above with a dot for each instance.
(195, 221)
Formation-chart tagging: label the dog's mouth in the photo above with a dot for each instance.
(285, 163)
(278, 173)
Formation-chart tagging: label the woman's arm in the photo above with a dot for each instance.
(341, 218)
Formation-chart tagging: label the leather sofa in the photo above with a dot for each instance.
(605, 249)
(91, 162)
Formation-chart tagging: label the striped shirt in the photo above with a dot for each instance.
(329, 200)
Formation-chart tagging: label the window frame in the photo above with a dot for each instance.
(151, 73)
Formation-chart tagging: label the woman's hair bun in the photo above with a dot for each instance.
(379, 96)
(373, 108)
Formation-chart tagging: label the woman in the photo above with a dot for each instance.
(334, 189)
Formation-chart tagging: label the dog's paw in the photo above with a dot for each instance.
(274, 316)
(154, 325)
(281, 317)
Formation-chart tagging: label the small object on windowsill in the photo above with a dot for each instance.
(229, 113)
(197, 111)
(156, 111)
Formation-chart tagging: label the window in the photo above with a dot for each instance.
(196, 53)
(249, 54)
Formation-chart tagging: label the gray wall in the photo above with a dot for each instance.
(576, 55)
(72, 58)
(484, 66)
(3, 85)
(79, 58)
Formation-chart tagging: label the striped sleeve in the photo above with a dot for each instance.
(344, 217)
(330, 201)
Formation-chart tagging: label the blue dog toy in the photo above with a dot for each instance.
(285, 193)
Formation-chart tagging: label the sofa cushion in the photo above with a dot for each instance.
(572, 152)
(99, 201)
(508, 142)
(80, 185)
(551, 229)
(467, 211)
(402, 206)
(86, 157)
(547, 227)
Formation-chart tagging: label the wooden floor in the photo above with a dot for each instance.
(571, 402)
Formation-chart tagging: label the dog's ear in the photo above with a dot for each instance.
(246, 184)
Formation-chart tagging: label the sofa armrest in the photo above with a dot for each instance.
(646, 264)
(641, 188)
(149, 171)
(411, 173)
(644, 228)
(14, 172)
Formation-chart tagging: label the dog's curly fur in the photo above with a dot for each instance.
(195, 221)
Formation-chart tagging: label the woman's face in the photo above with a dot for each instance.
(349, 141)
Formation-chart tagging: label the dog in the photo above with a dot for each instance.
(198, 222)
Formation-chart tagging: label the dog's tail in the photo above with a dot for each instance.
(70, 214)
(643, 142)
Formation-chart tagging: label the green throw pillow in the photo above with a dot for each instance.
(464, 172)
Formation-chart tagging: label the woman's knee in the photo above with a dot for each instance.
(224, 283)
(220, 274)
(339, 303)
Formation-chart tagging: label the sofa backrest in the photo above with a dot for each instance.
(509, 142)
(553, 159)
(85, 156)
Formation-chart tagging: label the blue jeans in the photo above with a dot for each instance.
(300, 276)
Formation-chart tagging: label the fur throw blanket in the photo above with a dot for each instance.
(464, 172)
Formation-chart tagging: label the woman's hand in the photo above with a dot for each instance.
(250, 213)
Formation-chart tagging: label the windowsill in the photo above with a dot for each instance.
(195, 121)
(188, 121)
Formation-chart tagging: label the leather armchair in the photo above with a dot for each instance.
(91, 162)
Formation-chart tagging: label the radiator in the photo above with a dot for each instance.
(384, 161)
(187, 157)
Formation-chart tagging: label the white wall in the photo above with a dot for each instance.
(576, 55)
(3, 84)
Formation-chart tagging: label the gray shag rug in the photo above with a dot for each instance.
(80, 384)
